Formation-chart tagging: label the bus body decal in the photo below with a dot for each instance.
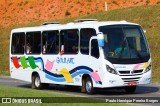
(64, 74)
(23, 62)
(137, 66)
(31, 62)
(49, 65)
(15, 62)
(55, 78)
(143, 66)
(95, 76)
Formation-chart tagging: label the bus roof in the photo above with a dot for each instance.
(86, 24)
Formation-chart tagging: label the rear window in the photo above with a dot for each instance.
(18, 43)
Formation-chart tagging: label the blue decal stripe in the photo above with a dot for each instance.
(52, 74)
(79, 68)
(71, 72)
(55, 79)
(79, 72)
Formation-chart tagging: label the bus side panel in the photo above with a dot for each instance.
(63, 69)
(22, 66)
(21, 75)
(97, 74)
(57, 69)
(69, 69)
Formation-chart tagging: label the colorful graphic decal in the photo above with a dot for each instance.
(137, 66)
(64, 74)
(32, 62)
(15, 62)
(144, 65)
(49, 65)
(23, 62)
(95, 76)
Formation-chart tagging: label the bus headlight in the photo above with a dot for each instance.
(148, 68)
(111, 70)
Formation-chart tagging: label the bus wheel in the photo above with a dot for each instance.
(89, 86)
(36, 82)
(130, 89)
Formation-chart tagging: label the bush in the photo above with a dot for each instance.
(158, 2)
(67, 13)
(114, 2)
(148, 1)
(88, 0)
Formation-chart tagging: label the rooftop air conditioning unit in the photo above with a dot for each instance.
(85, 20)
(50, 23)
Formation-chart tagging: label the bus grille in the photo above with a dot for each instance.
(137, 71)
(128, 72)
(134, 79)
(124, 72)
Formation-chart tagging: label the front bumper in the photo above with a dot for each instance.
(112, 80)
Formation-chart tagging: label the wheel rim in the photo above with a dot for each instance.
(37, 82)
(88, 86)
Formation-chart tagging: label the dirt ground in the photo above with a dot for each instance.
(23, 11)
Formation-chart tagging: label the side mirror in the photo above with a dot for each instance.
(144, 31)
(100, 37)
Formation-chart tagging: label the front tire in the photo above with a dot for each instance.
(130, 89)
(89, 86)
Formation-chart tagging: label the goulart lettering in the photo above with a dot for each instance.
(65, 60)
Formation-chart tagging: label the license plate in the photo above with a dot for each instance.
(132, 83)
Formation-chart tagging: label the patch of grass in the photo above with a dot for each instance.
(22, 92)
(4, 72)
(146, 16)
(22, 3)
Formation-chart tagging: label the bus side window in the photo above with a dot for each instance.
(18, 42)
(33, 42)
(85, 35)
(69, 41)
(94, 48)
(50, 41)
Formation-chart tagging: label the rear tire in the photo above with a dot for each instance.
(89, 86)
(36, 82)
(130, 89)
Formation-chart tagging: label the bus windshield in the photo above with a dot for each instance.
(124, 42)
